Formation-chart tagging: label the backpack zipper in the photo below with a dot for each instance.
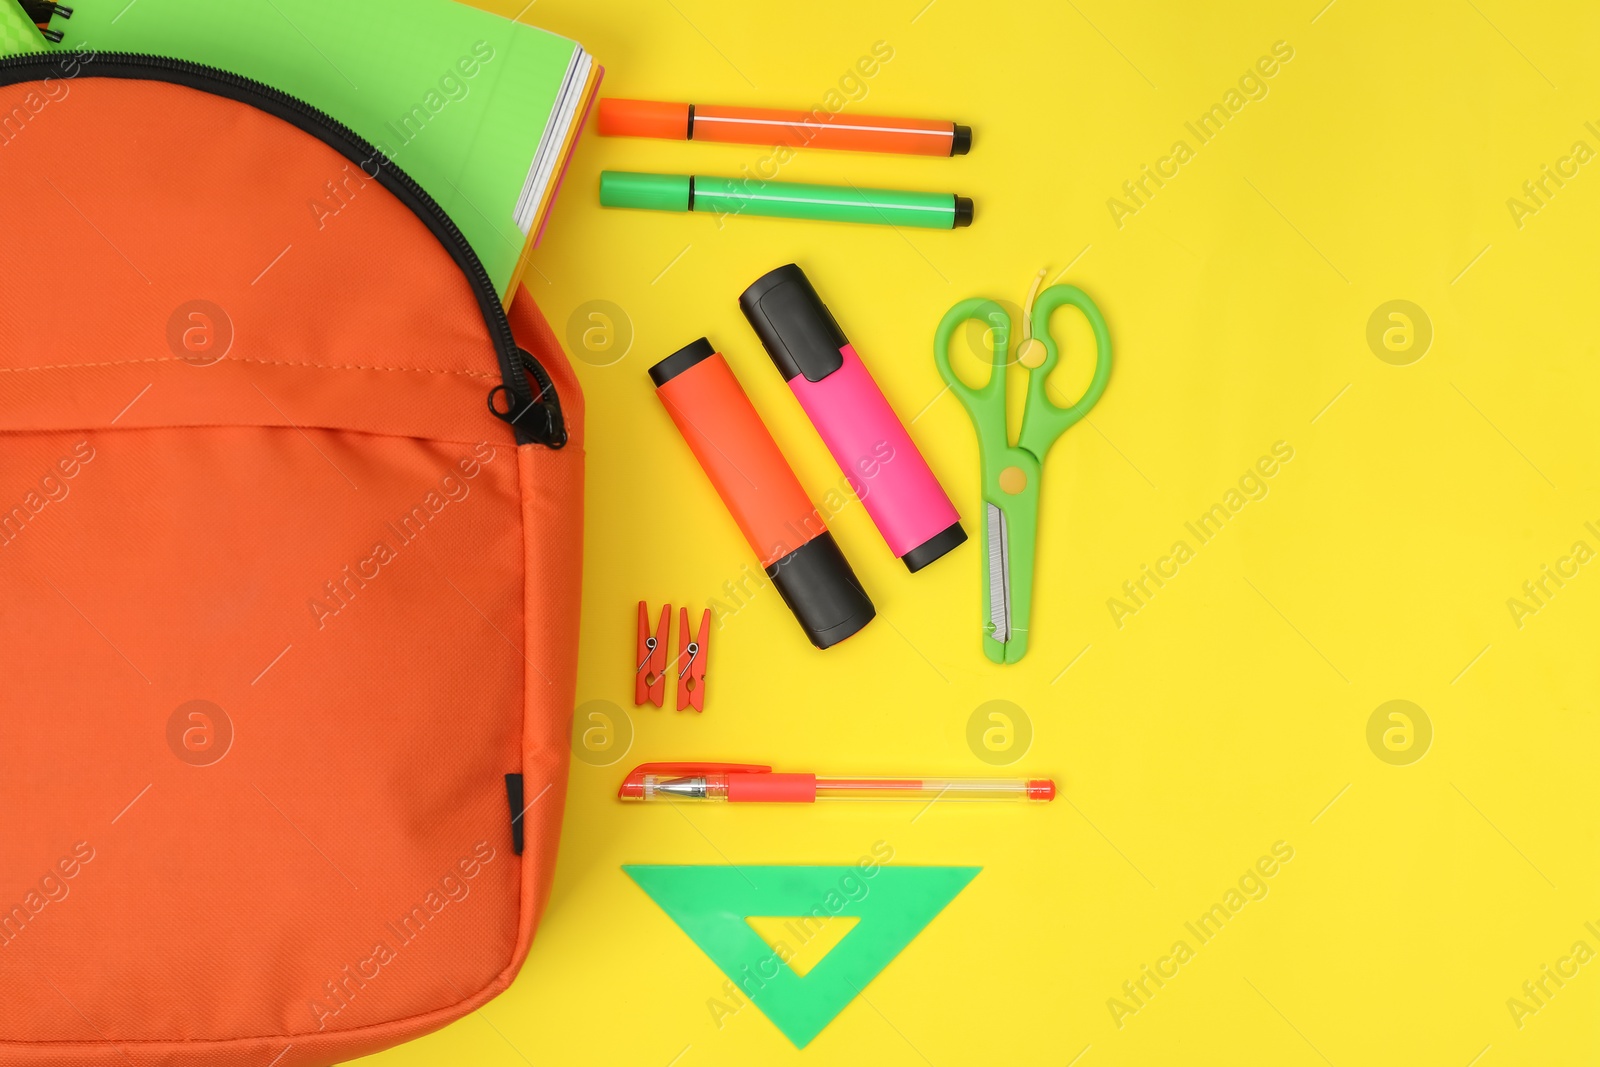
(525, 398)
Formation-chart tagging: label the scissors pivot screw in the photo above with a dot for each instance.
(1013, 480)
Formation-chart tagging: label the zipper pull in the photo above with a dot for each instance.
(535, 416)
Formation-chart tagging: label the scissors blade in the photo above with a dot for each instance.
(999, 574)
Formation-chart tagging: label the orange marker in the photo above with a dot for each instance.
(798, 129)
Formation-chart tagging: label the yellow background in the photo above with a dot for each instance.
(1231, 711)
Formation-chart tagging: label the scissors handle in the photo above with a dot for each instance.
(1043, 420)
(999, 322)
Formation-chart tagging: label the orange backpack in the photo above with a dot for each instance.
(288, 614)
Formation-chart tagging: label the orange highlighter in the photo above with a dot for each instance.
(798, 129)
(761, 492)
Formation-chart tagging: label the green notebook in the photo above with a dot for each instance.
(480, 110)
(17, 33)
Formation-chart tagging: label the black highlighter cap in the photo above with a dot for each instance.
(681, 360)
(795, 326)
(816, 581)
(934, 547)
(961, 142)
(963, 212)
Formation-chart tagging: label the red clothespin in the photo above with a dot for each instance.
(692, 657)
(650, 674)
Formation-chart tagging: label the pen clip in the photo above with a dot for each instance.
(633, 785)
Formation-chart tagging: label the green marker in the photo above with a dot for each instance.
(783, 200)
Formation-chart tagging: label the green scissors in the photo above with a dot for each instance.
(1011, 472)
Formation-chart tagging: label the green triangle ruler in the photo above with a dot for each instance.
(712, 903)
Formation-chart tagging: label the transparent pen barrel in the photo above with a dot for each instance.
(928, 789)
(674, 787)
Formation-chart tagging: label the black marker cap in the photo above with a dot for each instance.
(961, 143)
(795, 326)
(816, 581)
(681, 360)
(963, 212)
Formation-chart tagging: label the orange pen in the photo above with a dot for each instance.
(750, 783)
(817, 128)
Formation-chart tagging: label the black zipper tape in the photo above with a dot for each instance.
(526, 398)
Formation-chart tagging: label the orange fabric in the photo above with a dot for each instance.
(323, 533)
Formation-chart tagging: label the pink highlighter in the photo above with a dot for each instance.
(867, 440)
